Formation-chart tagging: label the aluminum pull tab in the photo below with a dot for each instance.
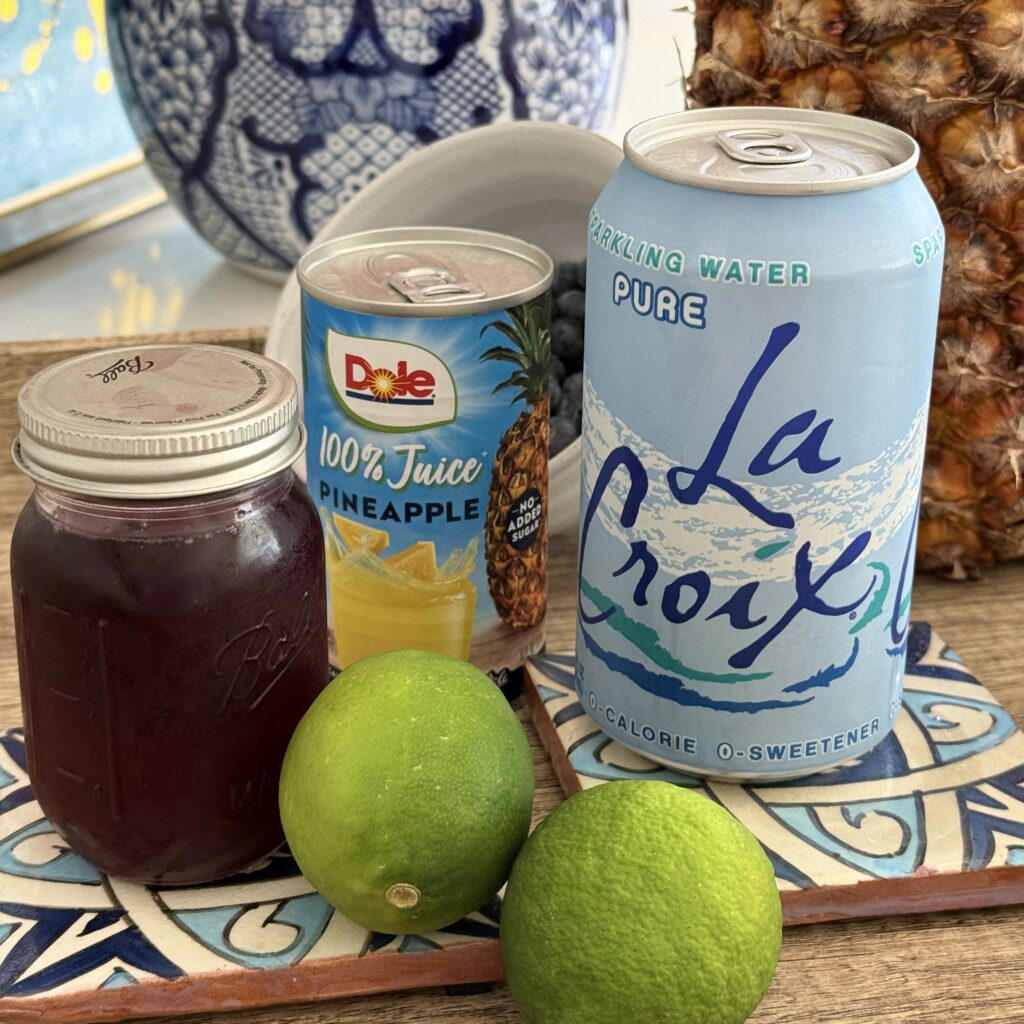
(764, 146)
(422, 282)
(433, 284)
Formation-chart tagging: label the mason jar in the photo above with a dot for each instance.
(168, 578)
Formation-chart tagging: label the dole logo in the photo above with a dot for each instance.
(379, 384)
(390, 385)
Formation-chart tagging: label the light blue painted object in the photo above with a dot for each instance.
(59, 115)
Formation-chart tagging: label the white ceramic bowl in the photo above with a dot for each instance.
(531, 179)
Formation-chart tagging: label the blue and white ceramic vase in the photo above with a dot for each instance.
(261, 117)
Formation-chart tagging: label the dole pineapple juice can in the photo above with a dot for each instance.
(425, 358)
(762, 295)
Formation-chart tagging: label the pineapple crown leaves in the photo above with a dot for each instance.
(531, 354)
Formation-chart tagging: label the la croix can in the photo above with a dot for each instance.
(425, 359)
(762, 294)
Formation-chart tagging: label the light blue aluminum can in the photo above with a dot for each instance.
(762, 295)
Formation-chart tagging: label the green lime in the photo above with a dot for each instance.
(640, 901)
(406, 791)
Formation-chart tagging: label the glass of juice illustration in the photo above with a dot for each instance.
(381, 602)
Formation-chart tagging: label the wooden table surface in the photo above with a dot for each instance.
(957, 968)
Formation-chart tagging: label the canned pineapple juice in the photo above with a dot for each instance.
(425, 383)
(762, 293)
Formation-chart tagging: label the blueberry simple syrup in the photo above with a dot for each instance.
(167, 650)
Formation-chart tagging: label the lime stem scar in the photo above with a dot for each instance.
(403, 895)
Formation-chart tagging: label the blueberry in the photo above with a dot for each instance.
(567, 342)
(565, 331)
(569, 409)
(571, 304)
(557, 370)
(554, 393)
(581, 274)
(563, 433)
(572, 389)
(564, 279)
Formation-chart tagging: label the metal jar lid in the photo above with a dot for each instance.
(425, 272)
(158, 421)
(771, 151)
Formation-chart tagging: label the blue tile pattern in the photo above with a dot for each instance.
(944, 793)
(67, 929)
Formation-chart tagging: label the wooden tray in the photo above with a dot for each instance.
(931, 819)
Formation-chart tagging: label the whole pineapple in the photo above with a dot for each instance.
(950, 72)
(516, 578)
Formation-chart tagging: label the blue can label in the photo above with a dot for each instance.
(427, 457)
(754, 424)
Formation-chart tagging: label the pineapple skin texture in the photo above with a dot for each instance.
(516, 580)
(952, 75)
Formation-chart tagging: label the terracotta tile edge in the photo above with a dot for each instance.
(914, 894)
(217, 992)
(566, 774)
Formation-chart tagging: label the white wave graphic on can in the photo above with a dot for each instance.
(718, 536)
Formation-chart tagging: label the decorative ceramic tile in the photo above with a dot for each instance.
(78, 945)
(932, 818)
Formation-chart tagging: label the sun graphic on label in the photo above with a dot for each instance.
(382, 384)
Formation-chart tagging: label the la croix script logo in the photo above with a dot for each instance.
(390, 385)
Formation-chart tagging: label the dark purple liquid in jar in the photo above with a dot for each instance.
(167, 650)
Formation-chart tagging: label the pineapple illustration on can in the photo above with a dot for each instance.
(762, 293)
(425, 388)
